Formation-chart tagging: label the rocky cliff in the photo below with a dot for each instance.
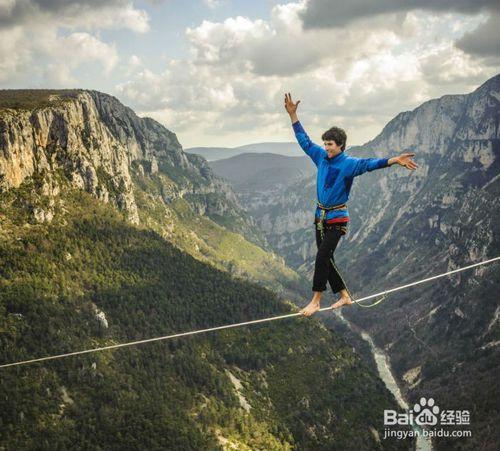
(77, 139)
(92, 140)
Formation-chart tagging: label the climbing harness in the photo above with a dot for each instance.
(246, 323)
(320, 226)
(333, 208)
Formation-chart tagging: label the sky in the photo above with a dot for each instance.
(215, 71)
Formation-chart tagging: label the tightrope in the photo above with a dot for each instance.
(246, 323)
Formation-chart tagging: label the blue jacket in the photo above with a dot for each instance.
(335, 175)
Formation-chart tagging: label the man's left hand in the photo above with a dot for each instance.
(406, 161)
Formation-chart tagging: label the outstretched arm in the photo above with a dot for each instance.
(362, 165)
(313, 150)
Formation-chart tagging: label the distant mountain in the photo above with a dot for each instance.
(290, 149)
(263, 171)
(443, 338)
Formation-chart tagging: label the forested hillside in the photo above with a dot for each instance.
(90, 278)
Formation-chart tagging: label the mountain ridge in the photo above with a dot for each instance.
(290, 149)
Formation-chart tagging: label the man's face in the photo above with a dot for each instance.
(332, 148)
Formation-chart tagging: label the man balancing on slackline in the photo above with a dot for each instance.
(336, 172)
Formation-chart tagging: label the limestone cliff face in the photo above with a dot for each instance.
(456, 141)
(435, 127)
(91, 139)
(68, 136)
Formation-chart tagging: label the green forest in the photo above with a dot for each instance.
(305, 386)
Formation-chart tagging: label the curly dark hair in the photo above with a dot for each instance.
(336, 134)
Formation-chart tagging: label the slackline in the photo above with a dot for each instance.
(246, 323)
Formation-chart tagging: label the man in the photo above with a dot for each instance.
(336, 172)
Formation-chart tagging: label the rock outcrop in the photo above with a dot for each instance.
(91, 140)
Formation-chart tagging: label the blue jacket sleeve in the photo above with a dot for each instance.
(313, 150)
(362, 165)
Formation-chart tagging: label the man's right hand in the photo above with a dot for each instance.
(290, 107)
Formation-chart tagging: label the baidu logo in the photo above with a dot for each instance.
(426, 412)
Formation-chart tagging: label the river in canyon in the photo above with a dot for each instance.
(385, 373)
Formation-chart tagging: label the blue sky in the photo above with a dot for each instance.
(214, 71)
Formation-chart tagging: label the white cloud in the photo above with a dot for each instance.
(123, 17)
(58, 75)
(146, 91)
(61, 55)
(13, 55)
(134, 61)
(280, 46)
(52, 38)
(81, 47)
(221, 42)
(445, 64)
(230, 88)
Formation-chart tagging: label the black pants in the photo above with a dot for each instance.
(323, 269)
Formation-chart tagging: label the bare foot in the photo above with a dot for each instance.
(344, 300)
(310, 308)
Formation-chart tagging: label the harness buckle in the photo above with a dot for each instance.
(320, 225)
